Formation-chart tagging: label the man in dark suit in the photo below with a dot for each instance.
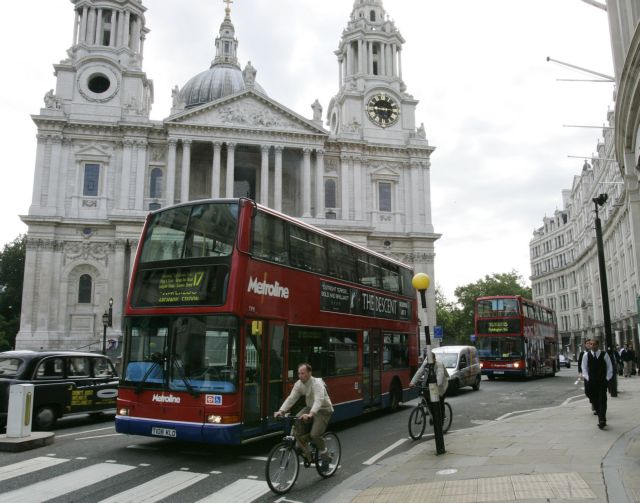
(597, 372)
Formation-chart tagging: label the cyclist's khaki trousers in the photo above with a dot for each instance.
(318, 427)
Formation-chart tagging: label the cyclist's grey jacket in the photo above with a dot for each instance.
(442, 376)
(315, 396)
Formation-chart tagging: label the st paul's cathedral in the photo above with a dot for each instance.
(361, 170)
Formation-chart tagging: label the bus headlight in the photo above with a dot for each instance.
(123, 411)
(516, 365)
(212, 418)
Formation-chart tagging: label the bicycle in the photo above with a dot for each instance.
(419, 415)
(283, 463)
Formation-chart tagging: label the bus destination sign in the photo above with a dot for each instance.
(509, 326)
(342, 299)
(181, 286)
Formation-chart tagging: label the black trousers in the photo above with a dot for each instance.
(598, 395)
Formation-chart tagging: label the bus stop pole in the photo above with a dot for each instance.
(421, 282)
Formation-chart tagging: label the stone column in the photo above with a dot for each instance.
(340, 63)
(120, 280)
(76, 28)
(114, 25)
(357, 187)
(125, 182)
(361, 57)
(37, 177)
(127, 27)
(98, 35)
(121, 18)
(54, 171)
(264, 175)
(277, 178)
(415, 194)
(186, 171)
(319, 183)
(382, 58)
(394, 60)
(407, 202)
(350, 66)
(215, 170)
(426, 177)
(171, 172)
(344, 186)
(400, 63)
(141, 171)
(306, 182)
(83, 25)
(91, 27)
(370, 58)
(231, 160)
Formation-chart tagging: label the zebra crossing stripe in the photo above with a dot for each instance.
(241, 491)
(158, 488)
(28, 466)
(64, 484)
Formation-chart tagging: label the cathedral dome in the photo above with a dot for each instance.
(218, 81)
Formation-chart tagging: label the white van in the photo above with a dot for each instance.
(462, 364)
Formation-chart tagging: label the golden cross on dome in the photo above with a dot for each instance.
(227, 9)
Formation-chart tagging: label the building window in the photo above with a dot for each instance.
(372, 15)
(91, 179)
(155, 183)
(384, 196)
(84, 289)
(330, 193)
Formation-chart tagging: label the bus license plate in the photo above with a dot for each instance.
(498, 372)
(164, 432)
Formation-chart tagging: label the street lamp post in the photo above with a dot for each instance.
(421, 282)
(105, 324)
(606, 315)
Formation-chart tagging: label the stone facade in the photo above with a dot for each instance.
(564, 262)
(102, 164)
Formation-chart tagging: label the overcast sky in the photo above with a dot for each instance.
(492, 105)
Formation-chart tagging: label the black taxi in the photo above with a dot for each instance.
(65, 382)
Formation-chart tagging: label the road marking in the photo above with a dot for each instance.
(83, 432)
(157, 489)
(571, 398)
(100, 436)
(241, 491)
(28, 466)
(255, 458)
(64, 484)
(375, 458)
(509, 414)
(143, 447)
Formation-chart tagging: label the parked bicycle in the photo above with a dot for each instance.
(283, 463)
(420, 417)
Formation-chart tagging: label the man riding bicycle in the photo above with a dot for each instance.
(442, 379)
(318, 409)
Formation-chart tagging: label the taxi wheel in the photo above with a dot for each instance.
(45, 418)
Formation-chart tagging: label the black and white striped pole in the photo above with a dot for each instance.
(421, 282)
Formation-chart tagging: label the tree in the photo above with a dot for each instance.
(450, 317)
(12, 260)
(495, 284)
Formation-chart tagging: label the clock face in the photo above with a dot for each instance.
(382, 110)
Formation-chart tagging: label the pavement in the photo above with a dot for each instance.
(555, 454)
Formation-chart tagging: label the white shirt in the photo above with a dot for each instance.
(596, 354)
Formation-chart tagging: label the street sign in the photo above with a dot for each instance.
(472, 337)
(437, 332)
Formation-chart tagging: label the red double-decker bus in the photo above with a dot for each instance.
(515, 337)
(228, 297)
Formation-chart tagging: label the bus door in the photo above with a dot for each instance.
(263, 373)
(371, 374)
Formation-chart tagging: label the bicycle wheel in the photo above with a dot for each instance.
(327, 467)
(448, 417)
(417, 422)
(282, 468)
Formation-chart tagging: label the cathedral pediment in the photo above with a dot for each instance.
(92, 151)
(247, 110)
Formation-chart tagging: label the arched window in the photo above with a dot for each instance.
(84, 289)
(372, 15)
(329, 193)
(155, 183)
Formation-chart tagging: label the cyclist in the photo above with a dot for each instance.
(442, 379)
(318, 409)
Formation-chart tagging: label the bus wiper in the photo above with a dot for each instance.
(186, 382)
(153, 365)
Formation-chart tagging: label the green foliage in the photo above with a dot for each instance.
(12, 260)
(456, 318)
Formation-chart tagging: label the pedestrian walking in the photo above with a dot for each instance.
(627, 358)
(581, 360)
(597, 372)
